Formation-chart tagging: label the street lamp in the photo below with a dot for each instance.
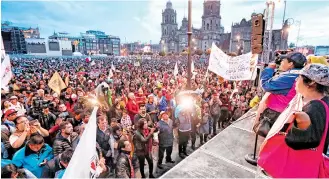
(238, 37)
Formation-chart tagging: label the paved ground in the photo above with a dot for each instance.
(167, 166)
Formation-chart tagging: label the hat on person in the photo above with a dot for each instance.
(13, 97)
(9, 112)
(316, 72)
(318, 60)
(298, 58)
(161, 113)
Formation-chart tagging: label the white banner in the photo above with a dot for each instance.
(232, 68)
(6, 73)
(137, 64)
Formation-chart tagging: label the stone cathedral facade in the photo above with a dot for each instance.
(174, 39)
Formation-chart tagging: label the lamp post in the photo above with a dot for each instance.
(189, 36)
(298, 23)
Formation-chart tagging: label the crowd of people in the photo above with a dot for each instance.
(141, 107)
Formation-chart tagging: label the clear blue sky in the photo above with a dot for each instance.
(140, 20)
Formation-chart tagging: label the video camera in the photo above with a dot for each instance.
(38, 104)
(277, 55)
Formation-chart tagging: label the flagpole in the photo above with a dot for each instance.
(189, 36)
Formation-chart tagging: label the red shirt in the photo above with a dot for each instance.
(132, 108)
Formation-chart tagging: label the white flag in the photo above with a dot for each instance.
(176, 70)
(110, 74)
(112, 67)
(92, 63)
(85, 159)
(192, 70)
(6, 73)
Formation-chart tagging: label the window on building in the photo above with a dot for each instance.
(172, 44)
(207, 26)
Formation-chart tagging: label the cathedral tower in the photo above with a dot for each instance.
(168, 28)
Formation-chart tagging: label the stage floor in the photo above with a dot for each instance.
(223, 155)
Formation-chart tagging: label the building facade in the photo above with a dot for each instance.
(174, 39)
(240, 41)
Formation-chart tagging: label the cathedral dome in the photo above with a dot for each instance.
(169, 5)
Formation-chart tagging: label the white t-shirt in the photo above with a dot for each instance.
(13, 139)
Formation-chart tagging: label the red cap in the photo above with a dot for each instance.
(9, 112)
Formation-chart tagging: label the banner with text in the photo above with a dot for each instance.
(232, 68)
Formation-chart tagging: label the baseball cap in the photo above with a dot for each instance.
(316, 72)
(9, 112)
(298, 58)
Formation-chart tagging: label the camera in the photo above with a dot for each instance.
(278, 53)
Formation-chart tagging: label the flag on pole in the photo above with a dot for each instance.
(85, 159)
(110, 74)
(6, 73)
(176, 70)
(192, 70)
(67, 80)
(56, 83)
(92, 63)
(112, 67)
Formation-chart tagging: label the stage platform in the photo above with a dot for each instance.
(222, 156)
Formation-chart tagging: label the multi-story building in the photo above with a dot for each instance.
(241, 37)
(175, 40)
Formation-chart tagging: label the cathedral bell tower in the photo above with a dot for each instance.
(168, 28)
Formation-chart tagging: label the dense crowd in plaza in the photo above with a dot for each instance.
(141, 107)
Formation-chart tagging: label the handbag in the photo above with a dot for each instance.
(281, 161)
(264, 127)
(268, 119)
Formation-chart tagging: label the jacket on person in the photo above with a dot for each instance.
(205, 124)
(279, 84)
(47, 121)
(30, 160)
(141, 143)
(123, 167)
(61, 143)
(183, 119)
(51, 167)
(132, 108)
(102, 139)
(166, 135)
(163, 104)
(281, 88)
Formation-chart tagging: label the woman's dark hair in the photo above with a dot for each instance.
(8, 170)
(121, 145)
(140, 123)
(318, 87)
(36, 139)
